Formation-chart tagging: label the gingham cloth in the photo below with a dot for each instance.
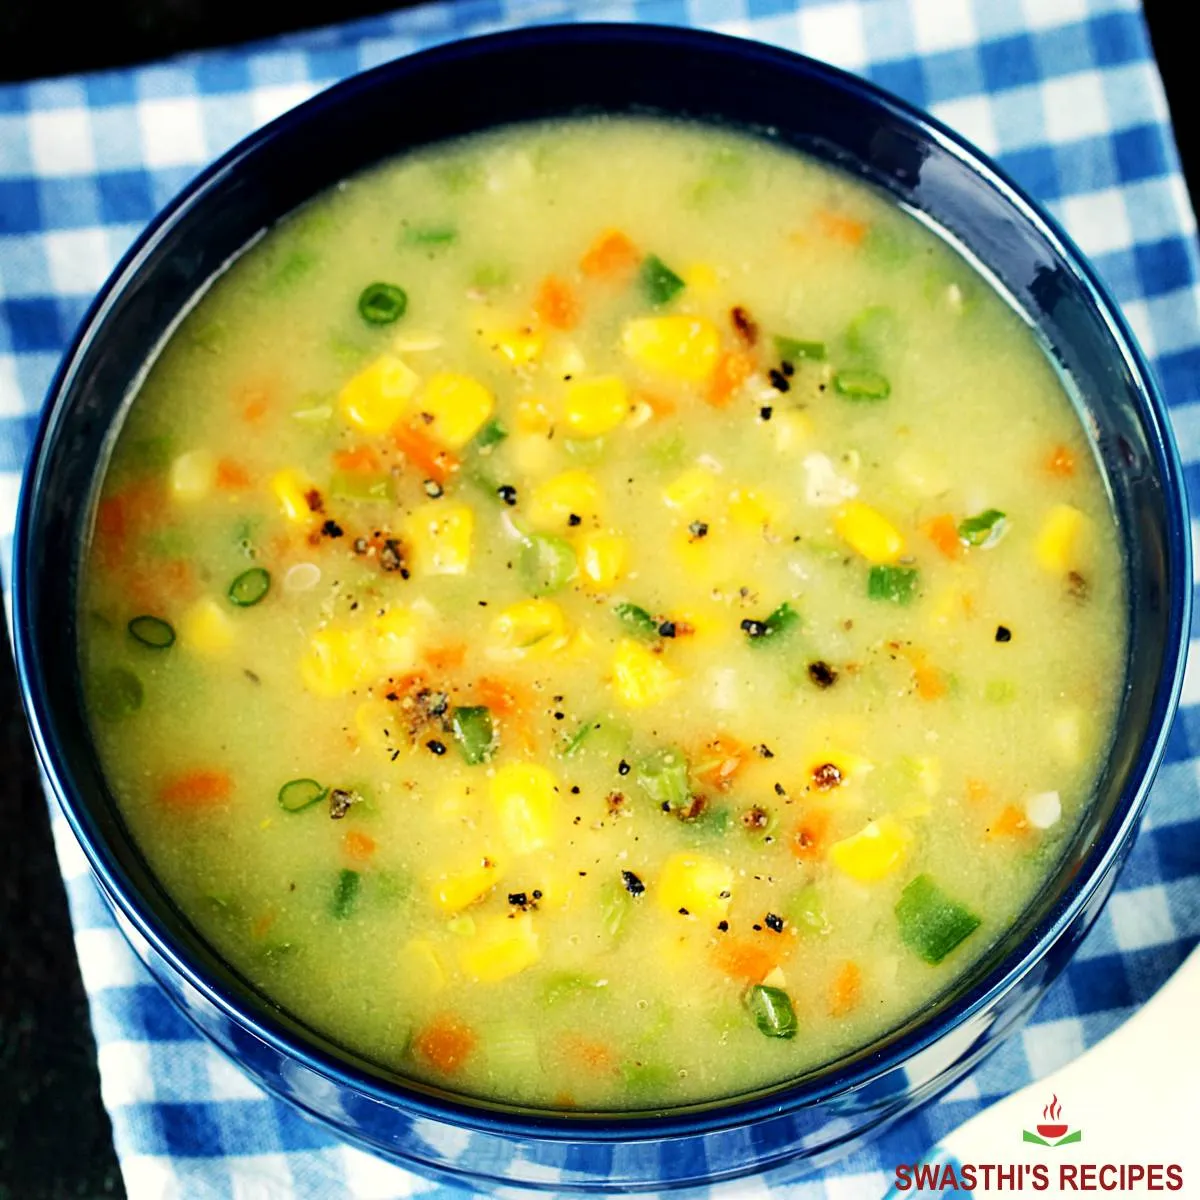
(1064, 93)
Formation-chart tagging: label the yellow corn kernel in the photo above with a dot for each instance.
(529, 628)
(1066, 735)
(422, 968)
(504, 946)
(193, 475)
(290, 488)
(206, 628)
(580, 647)
(333, 664)
(700, 277)
(1059, 539)
(439, 538)
(393, 640)
(677, 346)
(375, 399)
(869, 532)
(792, 430)
(525, 796)
(752, 508)
(573, 493)
(531, 453)
(458, 404)
(874, 852)
(518, 344)
(603, 559)
(703, 886)
(533, 416)
(457, 890)
(596, 406)
(375, 721)
(690, 491)
(640, 676)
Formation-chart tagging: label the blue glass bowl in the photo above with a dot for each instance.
(539, 73)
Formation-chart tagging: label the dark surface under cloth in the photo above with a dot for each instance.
(54, 1133)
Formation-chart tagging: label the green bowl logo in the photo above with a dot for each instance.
(1052, 1130)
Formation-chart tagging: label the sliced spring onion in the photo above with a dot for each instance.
(806, 911)
(152, 631)
(772, 627)
(615, 904)
(545, 564)
(360, 487)
(931, 924)
(873, 332)
(637, 620)
(431, 235)
(382, 303)
(659, 283)
(298, 794)
(492, 434)
(663, 776)
(793, 350)
(898, 585)
(861, 383)
(771, 1008)
(984, 529)
(250, 587)
(345, 894)
(568, 985)
(118, 693)
(474, 732)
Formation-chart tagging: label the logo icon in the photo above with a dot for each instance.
(1052, 1130)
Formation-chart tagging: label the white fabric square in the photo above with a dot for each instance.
(150, 1177)
(972, 117)
(834, 32)
(60, 142)
(260, 1177)
(12, 399)
(172, 132)
(370, 1178)
(105, 961)
(1075, 107)
(1137, 313)
(1190, 693)
(126, 1073)
(856, 1187)
(1045, 14)
(78, 259)
(1141, 918)
(227, 1082)
(1098, 221)
(942, 25)
(267, 103)
(1051, 1045)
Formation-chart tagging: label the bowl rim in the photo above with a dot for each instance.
(609, 1127)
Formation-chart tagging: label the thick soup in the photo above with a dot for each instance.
(607, 614)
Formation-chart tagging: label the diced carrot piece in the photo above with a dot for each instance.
(197, 789)
(446, 658)
(1012, 822)
(733, 368)
(719, 760)
(846, 990)
(556, 303)
(232, 476)
(661, 406)
(942, 531)
(611, 254)
(931, 683)
(1061, 462)
(255, 406)
(430, 459)
(360, 458)
(498, 696)
(808, 840)
(745, 960)
(977, 791)
(445, 1044)
(358, 846)
(594, 1055)
(841, 228)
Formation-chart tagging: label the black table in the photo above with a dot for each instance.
(55, 1139)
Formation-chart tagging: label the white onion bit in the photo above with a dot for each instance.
(1043, 809)
(302, 577)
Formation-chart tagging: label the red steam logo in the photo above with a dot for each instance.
(1051, 1128)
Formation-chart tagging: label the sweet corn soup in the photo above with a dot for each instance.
(602, 615)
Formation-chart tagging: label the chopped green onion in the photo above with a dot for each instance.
(431, 235)
(293, 268)
(637, 620)
(759, 633)
(119, 693)
(872, 332)
(895, 584)
(250, 587)
(382, 303)
(931, 923)
(659, 283)
(861, 383)
(584, 450)
(984, 529)
(492, 434)
(345, 894)
(546, 564)
(663, 776)
(792, 350)
(647, 1077)
(298, 794)
(771, 1008)
(615, 903)
(360, 487)
(474, 732)
(491, 275)
(152, 631)
(568, 985)
(806, 911)
(1000, 691)
(713, 820)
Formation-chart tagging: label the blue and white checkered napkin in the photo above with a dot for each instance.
(1064, 93)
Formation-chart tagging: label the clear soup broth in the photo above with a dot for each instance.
(604, 615)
